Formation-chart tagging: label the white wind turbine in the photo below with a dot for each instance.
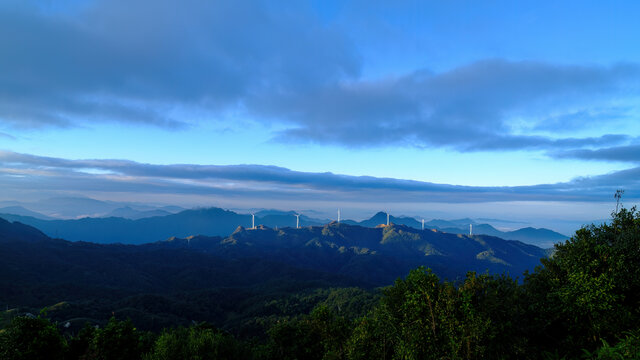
(297, 221)
(253, 221)
(422, 224)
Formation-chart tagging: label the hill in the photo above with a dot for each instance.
(128, 212)
(540, 237)
(245, 282)
(373, 255)
(157, 285)
(19, 210)
(138, 227)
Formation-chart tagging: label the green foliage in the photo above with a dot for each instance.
(626, 348)
(421, 317)
(118, 340)
(31, 338)
(319, 335)
(196, 343)
(79, 344)
(589, 291)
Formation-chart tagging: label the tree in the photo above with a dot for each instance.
(199, 342)
(118, 340)
(589, 290)
(31, 338)
(320, 335)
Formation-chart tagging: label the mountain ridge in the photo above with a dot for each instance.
(198, 277)
(220, 222)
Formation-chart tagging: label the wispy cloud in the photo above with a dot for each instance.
(628, 153)
(261, 182)
(7, 136)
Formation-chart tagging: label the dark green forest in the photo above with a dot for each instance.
(581, 302)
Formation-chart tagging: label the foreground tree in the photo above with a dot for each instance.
(320, 335)
(199, 342)
(588, 292)
(31, 338)
(118, 340)
(421, 317)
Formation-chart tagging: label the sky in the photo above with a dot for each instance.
(525, 111)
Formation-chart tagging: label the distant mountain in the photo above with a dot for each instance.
(212, 221)
(76, 207)
(534, 235)
(373, 255)
(442, 224)
(19, 210)
(219, 222)
(71, 207)
(381, 218)
(129, 213)
(172, 209)
(17, 232)
(540, 237)
(287, 220)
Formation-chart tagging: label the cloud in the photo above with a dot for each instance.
(155, 62)
(476, 107)
(24, 173)
(135, 61)
(7, 136)
(628, 153)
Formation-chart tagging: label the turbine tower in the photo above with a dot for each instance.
(253, 220)
(387, 218)
(338, 216)
(297, 221)
(422, 224)
(470, 229)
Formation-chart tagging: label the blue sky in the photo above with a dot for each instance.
(526, 110)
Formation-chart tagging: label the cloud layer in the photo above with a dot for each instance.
(156, 62)
(24, 172)
(629, 153)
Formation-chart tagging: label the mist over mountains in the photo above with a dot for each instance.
(138, 227)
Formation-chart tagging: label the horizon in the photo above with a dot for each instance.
(47, 209)
(430, 110)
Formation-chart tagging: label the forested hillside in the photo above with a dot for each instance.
(583, 302)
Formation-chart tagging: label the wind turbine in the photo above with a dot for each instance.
(387, 218)
(338, 216)
(297, 221)
(470, 229)
(422, 224)
(253, 221)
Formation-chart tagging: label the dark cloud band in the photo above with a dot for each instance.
(24, 172)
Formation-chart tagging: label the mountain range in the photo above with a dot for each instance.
(215, 278)
(78, 207)
(135, 227)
